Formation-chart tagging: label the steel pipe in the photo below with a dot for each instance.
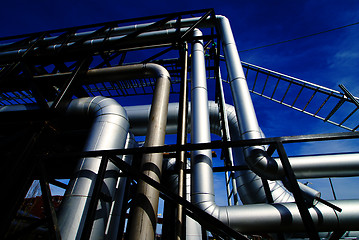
(109, 130)
(200, 128)
(115, 216)
(144, 211)
(147, 39)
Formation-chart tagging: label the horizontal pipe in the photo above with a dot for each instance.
(315, 166)
(285, 217)
(147, 39)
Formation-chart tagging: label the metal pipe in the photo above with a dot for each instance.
(200, 127)
(249, 184)
(182, 139)
(109, 130)
(256, 157)
(118, 73)
(117, 203)
(144, 211)
(202, 187)
(147, 39)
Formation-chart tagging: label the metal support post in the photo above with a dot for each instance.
(267, 190)
(299, 199)
(48, 206)
(71, 84)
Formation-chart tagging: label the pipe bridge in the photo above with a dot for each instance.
(124, 116)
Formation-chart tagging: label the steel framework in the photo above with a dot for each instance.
(41, 73)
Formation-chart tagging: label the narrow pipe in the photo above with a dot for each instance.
(144, 211)
(182, 139)
(110, 126)
(147, 39)
(117, 203)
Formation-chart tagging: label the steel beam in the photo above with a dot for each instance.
(213, 145)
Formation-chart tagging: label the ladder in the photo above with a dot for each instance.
(339, 109)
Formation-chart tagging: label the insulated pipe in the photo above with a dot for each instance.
(109, 130)
(114, 219)
(200, 128)
(118, 73)
(144, 211)
(278, 217)
(249, 184)
(202, 188)
(256, 156)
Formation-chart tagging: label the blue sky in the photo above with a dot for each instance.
(327, 59)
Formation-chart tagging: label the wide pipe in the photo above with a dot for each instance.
(108, 131)
(144, 211)
(67, 219)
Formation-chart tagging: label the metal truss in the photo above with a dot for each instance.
(35, 67)
(51, 66)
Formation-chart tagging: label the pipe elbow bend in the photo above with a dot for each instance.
(262, 164)
(156, 70)
(218, 212)
(98, 107)
(221, 18)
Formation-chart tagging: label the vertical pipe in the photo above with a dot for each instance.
(144, 213)
(181, 139)
(193, 228)
(109, 130)
(200, 127)
(117, 203)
